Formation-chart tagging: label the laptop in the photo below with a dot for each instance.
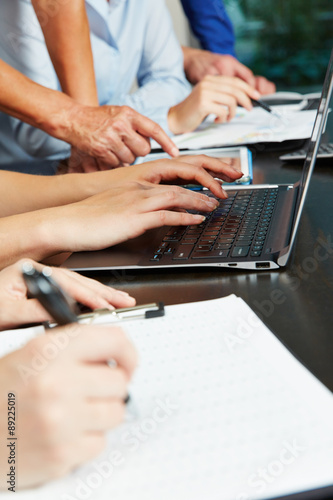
(255, 228)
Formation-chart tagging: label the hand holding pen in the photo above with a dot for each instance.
(42, 287)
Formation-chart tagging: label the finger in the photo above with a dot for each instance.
(264, 86)
(244, 73)
(102, 415)
(222, 83)
(101, 344)
(101, 381)
(138, 144)
(120, 149)
(188, 172)
(90, 292)
(217, 101)
(217, 166)
(169, 197)
(241, 97)
(86, 164)
(168, 218)
(109, 159)
(148, 128)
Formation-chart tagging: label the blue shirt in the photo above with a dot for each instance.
(131, 39)
(211, 25)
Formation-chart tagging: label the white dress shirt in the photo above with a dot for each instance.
(131, 40)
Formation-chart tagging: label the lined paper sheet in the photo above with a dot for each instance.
(220, 410)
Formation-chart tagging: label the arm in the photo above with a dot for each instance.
(211, 25)
(112, 217)
(38, 192)
(111, 134)
(127, 210)
(67, 37)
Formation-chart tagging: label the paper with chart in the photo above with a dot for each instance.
(220, 411)
(249, 127)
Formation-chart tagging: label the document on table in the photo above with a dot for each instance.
(249, 127)
(220, 410)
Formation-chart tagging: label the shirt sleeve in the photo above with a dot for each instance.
(161, 78)
(22, 46)
(211, 25)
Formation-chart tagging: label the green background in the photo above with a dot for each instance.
(288, 41)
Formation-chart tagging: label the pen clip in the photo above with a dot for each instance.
(145, 311)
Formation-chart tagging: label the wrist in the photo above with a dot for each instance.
(61, 121)
(173, 122)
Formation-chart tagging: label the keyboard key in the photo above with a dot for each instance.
(201, 248)
(172, 238)
(189, 241)
(255, 253)
(243, 243)
(182, 252)
(210, 255)
(225, 239)
(193, 232)
(156, 258)
(223, 246)
(240, 251)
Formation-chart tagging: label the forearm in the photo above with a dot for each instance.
(67, 36)
(31, 235)
(34, 192)
(43, 108)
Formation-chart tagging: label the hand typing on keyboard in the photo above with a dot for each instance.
(199, 169)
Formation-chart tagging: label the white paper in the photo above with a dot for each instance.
(249, 127)
(218, 402)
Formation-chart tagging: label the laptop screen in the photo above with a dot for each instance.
(318, 130)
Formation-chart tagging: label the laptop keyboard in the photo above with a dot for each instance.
(324, 151)
(236, 229)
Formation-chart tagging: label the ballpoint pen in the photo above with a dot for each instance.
(267, 108)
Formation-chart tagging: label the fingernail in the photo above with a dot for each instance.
(199, 218)
(123, 293)
(224, 193)
(256, 94)
(212, 203)
(175, 152)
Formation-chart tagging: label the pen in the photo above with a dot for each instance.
(266, 107)
(42, 287)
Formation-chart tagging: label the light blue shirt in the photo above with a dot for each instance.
(131, 39)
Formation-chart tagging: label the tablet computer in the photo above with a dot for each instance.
(240, 157)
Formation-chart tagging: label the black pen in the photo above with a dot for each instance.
(266, 107)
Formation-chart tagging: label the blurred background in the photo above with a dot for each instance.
(288, 41)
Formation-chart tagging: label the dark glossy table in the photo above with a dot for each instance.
(296, 302)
